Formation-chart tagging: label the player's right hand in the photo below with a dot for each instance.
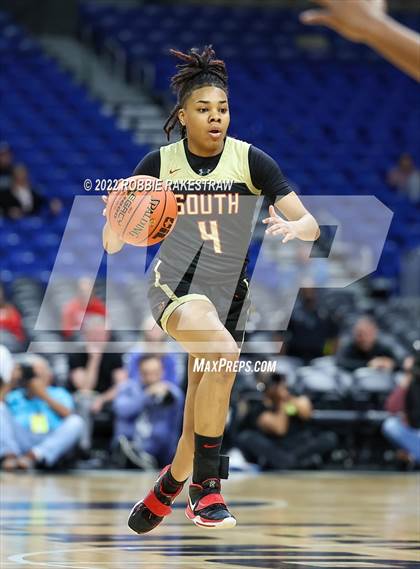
(105, 200)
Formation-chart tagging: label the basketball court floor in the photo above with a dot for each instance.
(287, 521)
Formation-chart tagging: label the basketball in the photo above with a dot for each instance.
(142, 210)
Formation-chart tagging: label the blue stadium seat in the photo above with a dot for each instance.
(59, 132)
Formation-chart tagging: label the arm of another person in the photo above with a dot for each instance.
(86, 378)
(388, 358)
(119, 377)
(367, 21)
(60, 400)
(300, 406)
(176, 392)
(130, 400)
(274, 422)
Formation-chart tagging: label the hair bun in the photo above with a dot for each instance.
(196, 69)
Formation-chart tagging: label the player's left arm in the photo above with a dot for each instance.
(268, 178)
(299, 223)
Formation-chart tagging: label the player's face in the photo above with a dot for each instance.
(206, 117)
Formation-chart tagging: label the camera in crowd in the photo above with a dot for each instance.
(27, 374)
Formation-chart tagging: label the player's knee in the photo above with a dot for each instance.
(224, 365)
(225, 350)
(230, 358)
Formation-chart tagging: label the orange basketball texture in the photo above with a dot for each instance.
(142, 211)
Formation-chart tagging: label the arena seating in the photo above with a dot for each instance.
(60, 133)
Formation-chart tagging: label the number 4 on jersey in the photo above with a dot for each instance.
(210, 235)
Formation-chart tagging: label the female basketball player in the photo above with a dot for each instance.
(199, 291)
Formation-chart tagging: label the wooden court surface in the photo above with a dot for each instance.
(287, 521)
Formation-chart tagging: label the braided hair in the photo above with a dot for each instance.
(199, 70)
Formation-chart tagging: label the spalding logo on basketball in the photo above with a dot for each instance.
(142, 210)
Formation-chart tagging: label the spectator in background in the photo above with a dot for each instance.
(148, 415)
(23, 200)
(309, 271)
(365, 349)
(37, 423)
(274, 434)
(403, 429)
(11, 330)
(94, 375)
(155, 341)
(84, 304)
(405, 177)
(6, 170)
(312, 332)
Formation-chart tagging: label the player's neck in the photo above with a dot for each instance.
(202, 152)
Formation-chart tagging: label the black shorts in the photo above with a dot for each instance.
(166, 293)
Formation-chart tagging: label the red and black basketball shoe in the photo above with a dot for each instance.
(149, 512)
(206, 506)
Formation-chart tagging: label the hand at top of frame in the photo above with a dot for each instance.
(350, 18)
(367, 21)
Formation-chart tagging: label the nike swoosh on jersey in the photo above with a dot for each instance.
(211, 446)
(173, 171)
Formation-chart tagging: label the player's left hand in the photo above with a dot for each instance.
(279, 226)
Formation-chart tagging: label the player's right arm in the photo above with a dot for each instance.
(367, 21)
(148, 166)
(110, 240)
